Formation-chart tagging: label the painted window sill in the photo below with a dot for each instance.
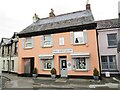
(46, 69)
(80, 70)
(28, 48)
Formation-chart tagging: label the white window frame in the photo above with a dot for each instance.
(45, 61)
(87, 61)
(28, 42)
(81, 32)
(108, 62)
(61, 41)
(112, 40)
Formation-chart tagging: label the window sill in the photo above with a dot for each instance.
(81, 70)
(46, 69)
(46, 46)
(75, 44)
(28, 48)
(112, 46)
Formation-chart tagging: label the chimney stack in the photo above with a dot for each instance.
(51, 14)
(35, 17)
(88, 5)
(119, 9)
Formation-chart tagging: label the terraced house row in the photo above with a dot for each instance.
(73, 43)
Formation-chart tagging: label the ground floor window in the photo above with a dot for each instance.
(47, 64)
(81, 63)
(12, 65)
(3, 64)
(108, 62)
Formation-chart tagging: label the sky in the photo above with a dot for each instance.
(15, 15)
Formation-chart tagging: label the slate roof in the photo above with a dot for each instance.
(60, 21)
(106, 24)
(5, 41)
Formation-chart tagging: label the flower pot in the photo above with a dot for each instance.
(96, 77)
(34, 75)
(53, 76)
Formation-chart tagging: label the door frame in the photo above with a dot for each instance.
(60, 61)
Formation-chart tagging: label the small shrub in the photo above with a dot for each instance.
(53, 71)
(95, 72)
(35, 71)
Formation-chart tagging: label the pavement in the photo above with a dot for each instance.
(13, 81)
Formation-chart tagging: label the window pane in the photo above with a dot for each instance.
(112, 62)
(104, 62)
(47, 40)
(28, 44)
(112, 39)
(80, 63)
(78, 37)
(47, 64)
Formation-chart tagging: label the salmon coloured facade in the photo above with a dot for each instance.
(66, 42)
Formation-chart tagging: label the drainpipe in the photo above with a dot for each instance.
(10, 56)
(98, 55)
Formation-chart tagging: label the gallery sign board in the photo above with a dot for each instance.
(62, 51)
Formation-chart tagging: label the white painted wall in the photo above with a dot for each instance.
(0, 66)
(6, 64)
(103, 44)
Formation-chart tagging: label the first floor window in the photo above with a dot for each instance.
(108, 62)
(13, 65)
(28, 42)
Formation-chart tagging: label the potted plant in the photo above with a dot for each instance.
(53, 73)
(35, 73)
(95, 74)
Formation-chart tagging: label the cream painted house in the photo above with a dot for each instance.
(9, 54)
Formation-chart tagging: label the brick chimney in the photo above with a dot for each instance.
(119, 9)
(35, 17)
(88, 7)
(51, 14)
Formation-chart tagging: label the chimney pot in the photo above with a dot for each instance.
(51, 14)
(88, 7)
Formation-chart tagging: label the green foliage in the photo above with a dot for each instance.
(53, 71)
(35, 71)
(95, 72)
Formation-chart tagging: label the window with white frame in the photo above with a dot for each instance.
(47, 64)
(46, 40)
(108, 62)
(112, 40)
(28, 42)
(81, 63)
(61, 41)
(78, 37)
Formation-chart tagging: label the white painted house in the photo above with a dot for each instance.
(107, 39)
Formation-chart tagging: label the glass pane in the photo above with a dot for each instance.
(47, 64)
(112, 62)
(104, 62)
(104, 58)
(112, 39)
(78, 37)
(81, 63)
(28, 39)
(28, 44)
(47, 40)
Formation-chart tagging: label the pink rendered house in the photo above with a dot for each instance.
(67, 42)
